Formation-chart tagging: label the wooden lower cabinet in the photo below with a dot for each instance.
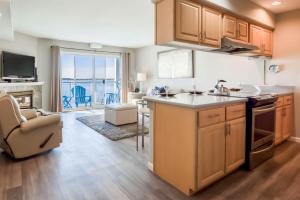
(278, 126)
(194, 148)
(211, 154)
(235, 144)
(221, 149)
(284, 119)
(287, 122)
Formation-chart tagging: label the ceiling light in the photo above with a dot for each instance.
(276, 2)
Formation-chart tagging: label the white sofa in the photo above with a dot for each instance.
(120, 114)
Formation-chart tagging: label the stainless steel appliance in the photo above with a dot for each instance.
(260, 133)
(232, 46)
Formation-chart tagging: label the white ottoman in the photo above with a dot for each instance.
(119, 114)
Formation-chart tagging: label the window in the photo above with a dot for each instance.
(98, 75)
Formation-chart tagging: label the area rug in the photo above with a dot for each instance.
(111, 131)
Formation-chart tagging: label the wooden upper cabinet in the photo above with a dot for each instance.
(211, 27)
(235, 144)
(256, 37)
(262, 38)
(267, 42)
(229, 26)
(242, 30)
(188, 21)
(211, 154)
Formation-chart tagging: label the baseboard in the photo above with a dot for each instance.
(150, 166)
(294, 139)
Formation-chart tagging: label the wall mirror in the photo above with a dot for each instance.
(178, 63)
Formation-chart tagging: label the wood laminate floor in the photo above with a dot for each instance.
(89, 166)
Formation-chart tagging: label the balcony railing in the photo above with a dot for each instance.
(101, 91)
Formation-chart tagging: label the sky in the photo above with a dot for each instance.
(105, 66)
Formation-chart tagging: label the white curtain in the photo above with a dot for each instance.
(125, 75)
(55, 80)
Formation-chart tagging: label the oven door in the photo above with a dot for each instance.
(263, 126)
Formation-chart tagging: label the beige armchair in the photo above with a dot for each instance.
(25, 133)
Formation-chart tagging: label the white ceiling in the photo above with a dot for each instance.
(6, 20)
(124, 23)
(287, 5)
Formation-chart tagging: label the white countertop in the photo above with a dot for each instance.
(195, 101)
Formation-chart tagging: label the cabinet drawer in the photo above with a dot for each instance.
(288, 100)
(235, 111)
(279, 102)
(213, 116)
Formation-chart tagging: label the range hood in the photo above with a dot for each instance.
(232, 46)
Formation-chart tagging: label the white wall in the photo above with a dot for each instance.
(23, 44)
(286, 53)
(208, 68)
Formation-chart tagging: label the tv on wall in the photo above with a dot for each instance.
(16, 66)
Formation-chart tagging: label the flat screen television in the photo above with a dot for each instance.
(16, 66)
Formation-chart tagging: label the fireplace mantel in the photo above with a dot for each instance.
(21, 84)
(34, 87)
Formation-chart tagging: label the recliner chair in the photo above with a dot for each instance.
(24, 133)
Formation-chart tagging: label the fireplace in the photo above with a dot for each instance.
(24, 98)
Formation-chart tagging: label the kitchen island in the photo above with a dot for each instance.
(196, 139)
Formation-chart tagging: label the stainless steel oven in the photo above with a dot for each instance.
(263, 125)
(262, 134)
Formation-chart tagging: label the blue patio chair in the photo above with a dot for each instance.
(114, 97)
(81, 98)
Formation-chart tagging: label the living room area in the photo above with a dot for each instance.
(71, 111)
(149, 99)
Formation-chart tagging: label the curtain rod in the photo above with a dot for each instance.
(70, 48)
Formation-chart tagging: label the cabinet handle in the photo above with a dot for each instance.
(204, 35)
(228, 129)
(237, 111)
(213, 116)
(283, 112)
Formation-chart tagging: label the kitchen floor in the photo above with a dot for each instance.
(89, 166)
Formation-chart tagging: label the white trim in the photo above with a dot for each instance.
(150, 166)
(294, 139)
(22, 84)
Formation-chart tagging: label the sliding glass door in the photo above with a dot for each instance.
(89, 80)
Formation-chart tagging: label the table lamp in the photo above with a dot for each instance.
(141, 77)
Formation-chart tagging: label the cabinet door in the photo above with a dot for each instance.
(278, 125)
(287, 122)
(242, 31)
(188, 21)
(256, 37)
(235, 143)
(211, 27)
(211, 154)
(267, 42)
(229, 26)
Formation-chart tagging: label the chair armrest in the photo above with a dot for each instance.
(39, 122)
(29, 113)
